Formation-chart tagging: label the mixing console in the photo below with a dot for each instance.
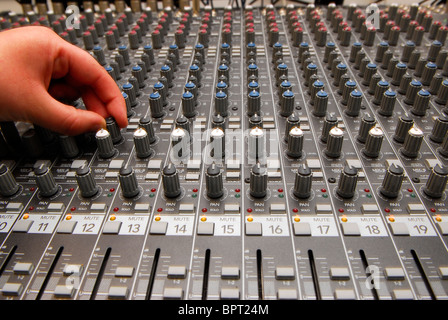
(295, 152)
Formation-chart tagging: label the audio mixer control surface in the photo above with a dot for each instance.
(271, 153)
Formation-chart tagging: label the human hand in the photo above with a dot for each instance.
(38, 67)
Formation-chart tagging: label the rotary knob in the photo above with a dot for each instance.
(213, 182)
(334, 143)
(347, 182)
(142, 143)
(405, 123)
(104, 143)
(45, 181)
(392, 182)
(373, 143)
(257, 143)
(170, 181)
(258, 181)
(86, 182)
(302, 183)
(128, 182)
(436, 184)
(8, 184)
(295, 143)
(412, 142)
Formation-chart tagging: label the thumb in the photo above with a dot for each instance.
(64, 119)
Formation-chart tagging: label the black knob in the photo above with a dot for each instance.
(170, 181)
(436, 184)
(8, 184)
(392, 181)
(128, 182)
(258, 181)
(45, 181)
(86, 182)
(302, 184)
(213, 182)
(347, 182)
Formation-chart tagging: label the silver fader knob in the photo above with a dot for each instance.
(86, 182)
(257, 143)
(392, 182)
(436, 184)
(412, 142)
(8, 184)
(45, 181)
(170, 181)
(302, 183)
(217, 143)
(213, 182)
(347, 182)
(128, 182)
(180, 140)
(104, 143)
(334, 143)
(142, 143)
(374, 140)
(295, 143)
(258, 181)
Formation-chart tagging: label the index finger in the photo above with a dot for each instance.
(81, 68)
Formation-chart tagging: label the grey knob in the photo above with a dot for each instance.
(387, 104)
(354, 103)
(381, 87)
(128, 182)
(442, 95)
(440, 129)
(444, 149)
(221, 103)
(392, 182)
(104, 143)
(295, 143)
(334, 143)
(86, 182)
(347, 182)
(253, 102)
(170, 181)
(69, 148)
(320, 103)
(374, 140)
(213, 182)
(146, 123)
(287, 103)
(292, 121)
(411, 92)
(258, 181)
(142, 143)
(188, 104)
(302, 183)
(367, 123)
(405, 123)
(45, 181)
(436, 184)
(156, 105)
(428, 73)
(114, 130)
(8, 184)
(421, 103)
(330, 121)
(412, 142)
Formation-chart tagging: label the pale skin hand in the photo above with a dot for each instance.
(37, 67)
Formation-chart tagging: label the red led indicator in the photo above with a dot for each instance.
(249, 210)
(204, 209)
